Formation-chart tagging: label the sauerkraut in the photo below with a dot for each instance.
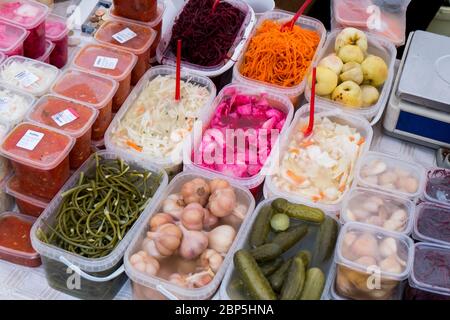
(13, 106)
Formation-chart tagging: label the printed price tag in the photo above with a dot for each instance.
(3, 103)
(125, 35)
(106, 62)
(26, 78)
(64, 117)
(30, 140)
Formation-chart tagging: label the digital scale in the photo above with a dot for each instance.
(418, 109)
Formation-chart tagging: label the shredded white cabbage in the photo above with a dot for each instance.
(13, 107)
(156, 124)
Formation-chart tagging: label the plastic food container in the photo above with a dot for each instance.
(371, 262)
(99, 278)
(253, 183)
(96, 91)
(29, 15)
(72, 118)
(28, 204)
(294, 93)
(378, 46)
(147, 287)
(15, 244)
(49, 47)
(432, 223)
(110, 62)
(56, 31)
(380, 209)
(437, 188)
(14, 104)
(28, 75)
(166, 57)
(231, 289)
(171, 165)
(383, 172)
(360, 124)
(6, 201)
(40, 158)
(131, 37)
(4, 163)
(429, 277)
(12, 38)
(2, 57)
(140, 10)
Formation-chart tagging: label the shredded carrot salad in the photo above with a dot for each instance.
(280, 58)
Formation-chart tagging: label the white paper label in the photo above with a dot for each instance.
(125, 35)
(4, 103)
(106, 62)
(30, 140)
(26, 78)
(64, 117)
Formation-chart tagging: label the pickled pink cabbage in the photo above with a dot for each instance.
(259, 125)
(7, 39)
(21, 13)
(54, 29)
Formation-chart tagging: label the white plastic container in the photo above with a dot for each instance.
(294, 93)
(254, 183)
(172, 167)
(99, 278)
(362, 126)
(378, 208)
(166, 57)
(148, 287)
(49, 47)
(357, 277)
(2, 57)
(307, 243)
(438, 194)
(14, 104)
(430, 220)
(378, 46)
(399, 177)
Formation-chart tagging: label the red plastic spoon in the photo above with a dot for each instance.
(290, 24)
(216, 3)
(178, 80)
(312, 103)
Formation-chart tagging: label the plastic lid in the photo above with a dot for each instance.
(27, 14)
(432, 223)
(14, 104)
(55, 28)
(104, 60)
(352, 13)
(359, 243)
(437, 188)
(13, 188)
(35, 146)
(86, 87)
(15, 231)
(117, 34)
(65, 115)
(11, 37)
(49, 46)
(153, 23)
(430, 271)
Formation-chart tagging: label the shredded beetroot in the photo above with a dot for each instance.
(432, 266)
(438, 185)
(434, 222)
(207, 36)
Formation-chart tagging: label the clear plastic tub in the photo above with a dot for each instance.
(228, 291)
(31, 16)
(378, 208)
(2, 57)
(378, 46)
(437, 187)
(131, 37)
(40, 158)
(171, 165)
(338, 116)
(5, 168)
(294, 93)
(28, 204)
(14, 104)
(147, 287)
(49, 47)
(429, 275)
(11, 39)
(432, 223)
(70, 117)
(383, 172)
(100, 278)
(371, 262)
(96, 91)
(110, 62)
(15, 244)
(6, 201)
(253, 183)
(56, 31)
(28, 75)
(139, 10)
(166, 57)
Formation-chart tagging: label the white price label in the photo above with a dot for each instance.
(4, 101)
(26, 78)
(30, 140)
(125, 35)
(106, 62)
(64, 117)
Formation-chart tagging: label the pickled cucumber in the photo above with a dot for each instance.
(277, 278)
(268, 268)
(295, 281)
(314, 285)
(266, 252)
(261, 227)
(325, 241)
(252, 276)
(290, 238)
(298, 211)
(305, 255)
